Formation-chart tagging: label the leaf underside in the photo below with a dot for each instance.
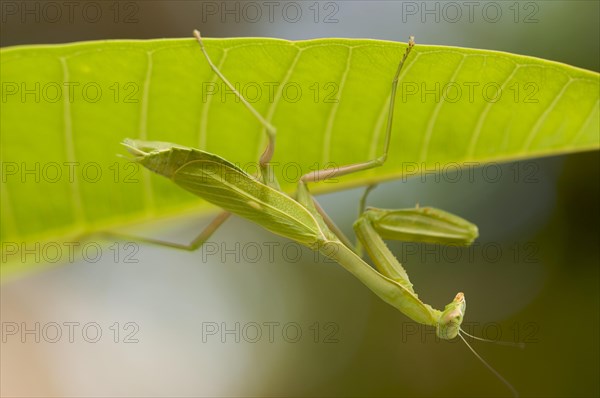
(328, 98)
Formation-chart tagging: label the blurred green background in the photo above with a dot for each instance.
(533, 277)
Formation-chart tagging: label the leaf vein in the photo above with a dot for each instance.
(203, 131)
(587, 120)
(149, 203)
(331, 118)
(434, 115)
(483, 115)
(70, 147)
(262, 142)
(538, 124)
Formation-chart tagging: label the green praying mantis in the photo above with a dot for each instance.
(302, 220)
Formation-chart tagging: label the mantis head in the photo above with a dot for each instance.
(141, 148)
(163, 158)
(448, 325)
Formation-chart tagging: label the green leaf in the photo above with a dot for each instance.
(66, 108)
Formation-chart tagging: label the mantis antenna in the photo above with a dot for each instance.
(487, 365)
(506, 343)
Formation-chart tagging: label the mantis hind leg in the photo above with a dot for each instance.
(268, 177)
(195, 244)
(324, 174)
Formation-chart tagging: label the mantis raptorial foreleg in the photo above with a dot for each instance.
(422, 224)
(361, 208)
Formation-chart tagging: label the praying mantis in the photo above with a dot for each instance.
(302, 220)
